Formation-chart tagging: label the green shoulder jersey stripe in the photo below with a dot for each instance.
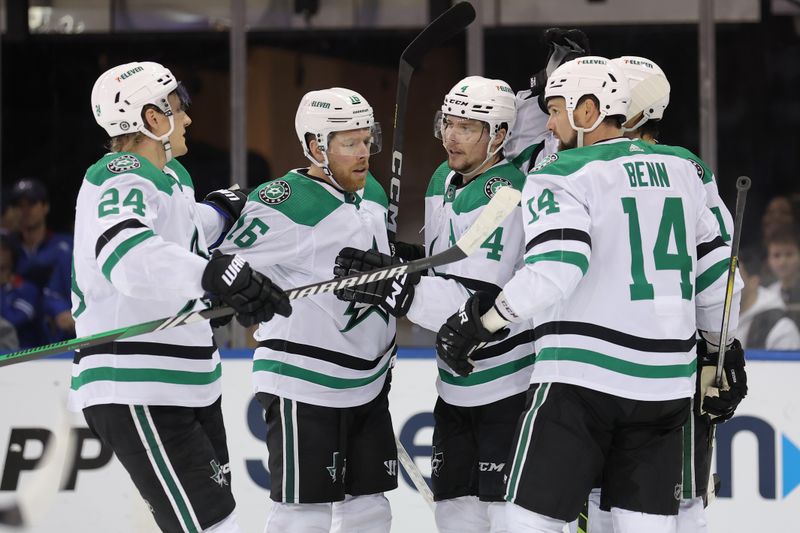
(573, 258)
(703, 172)
(570, 161)
(490, 374)
(711, 274)
(79, 293)
(373, 191)
(524, 156)
(615, 364)
(332, 382)
(123, 249)
(156, 375)
(307, 203)
(163, 469)
(480, 190)
(436, 184)
(100, 172)
(183, 175)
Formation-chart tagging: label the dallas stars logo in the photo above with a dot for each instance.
(358, 312)
(219, 472)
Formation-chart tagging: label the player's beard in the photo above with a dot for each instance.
(568, 144)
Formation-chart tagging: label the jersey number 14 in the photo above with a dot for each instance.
(672, 223)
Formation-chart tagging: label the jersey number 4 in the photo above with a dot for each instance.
(672, 223)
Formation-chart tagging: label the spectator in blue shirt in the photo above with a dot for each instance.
(44, 258)
(19, 299)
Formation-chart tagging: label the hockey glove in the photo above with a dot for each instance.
(565, 45)
(407, 251)
(463, 333)
(393, 295)
(719, 404)
(253, 296)
(228, 203)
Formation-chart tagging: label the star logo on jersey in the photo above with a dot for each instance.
(275, 192)
(219, 471)
(358, 312)
(123, 163)
(552, 158)
(493, 184)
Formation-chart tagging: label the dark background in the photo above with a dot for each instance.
(48, 130)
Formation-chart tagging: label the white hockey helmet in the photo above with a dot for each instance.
(590, 75)
(490, 101)
(324, 112)
(650, 98)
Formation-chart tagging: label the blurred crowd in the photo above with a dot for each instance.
(35, 271)
(36, 263)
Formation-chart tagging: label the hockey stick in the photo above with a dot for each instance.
(503, 202)
(742, 186)
(413, 472)
(448, 24)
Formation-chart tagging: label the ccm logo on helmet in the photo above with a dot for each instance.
(129, 73)
(457, 102)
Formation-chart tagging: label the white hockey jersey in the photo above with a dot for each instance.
(530, 142)
(503, 368)
(328, 352)
(140, 251)
(624, 261)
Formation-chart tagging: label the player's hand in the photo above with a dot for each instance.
(463, 333)
(228, 203)
(252, 295)
(564, 45)
(719, 404)
(407, 251)
(394, 295)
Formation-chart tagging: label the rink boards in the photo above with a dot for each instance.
(758, 451)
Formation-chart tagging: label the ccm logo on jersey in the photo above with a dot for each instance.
(233, 270)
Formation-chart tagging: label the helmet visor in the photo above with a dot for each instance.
(358, 143)
(450, 128)
(183, 96)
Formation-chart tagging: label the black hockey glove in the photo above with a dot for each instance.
(252, 295)
(393, 295)
(463, 333)
(407, 251)
(719, 404)
(565, 45)
(228, 203)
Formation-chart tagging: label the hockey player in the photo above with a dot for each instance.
(601, 375)
(323, 375)
(478, 407)
(141, 252)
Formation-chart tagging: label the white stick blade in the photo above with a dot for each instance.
(646, 92)
(503, 202)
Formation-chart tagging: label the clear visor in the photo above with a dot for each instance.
(183, 96)
(450, 128)
(358, 143)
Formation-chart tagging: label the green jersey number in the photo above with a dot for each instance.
(723, 232)
(247, 236)
(672, 223)
(544, 205)
(110, 202)
(493, 243)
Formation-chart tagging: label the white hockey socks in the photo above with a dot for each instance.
(521, 520)
(466, 514)
(634, 522)
(362, 514)
(299, 518)
(692, 516)
(228, 525)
